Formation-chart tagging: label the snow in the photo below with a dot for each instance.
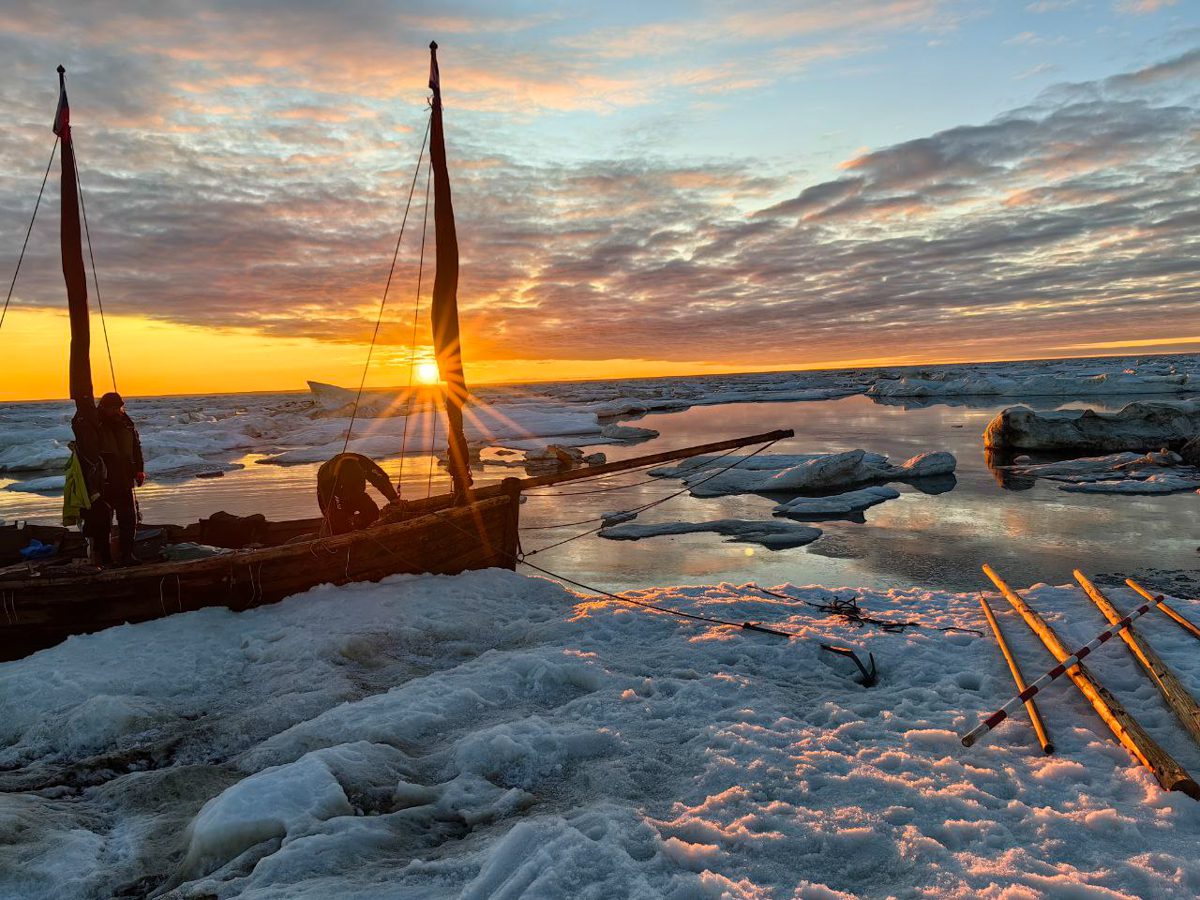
(493, 735)
(813, 473)
(1137, 426)
(772, 535)
(836, 504)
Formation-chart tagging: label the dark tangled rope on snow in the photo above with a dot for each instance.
(849, 610)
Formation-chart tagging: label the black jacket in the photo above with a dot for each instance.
(346, 476)
(121, 451)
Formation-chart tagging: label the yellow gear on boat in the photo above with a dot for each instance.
(75, 492)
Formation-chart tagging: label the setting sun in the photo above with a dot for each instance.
(427, 373)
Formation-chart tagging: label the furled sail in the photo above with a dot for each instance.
(446, 342)
(86, 423)
(72, 259)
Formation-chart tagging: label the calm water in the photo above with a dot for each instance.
(936, 540)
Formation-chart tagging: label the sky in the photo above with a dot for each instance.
(640, 188)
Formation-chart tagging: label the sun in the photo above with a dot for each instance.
(427, 373)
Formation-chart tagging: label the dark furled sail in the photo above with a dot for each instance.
(86, 423)
(72, 259)
(446, 341)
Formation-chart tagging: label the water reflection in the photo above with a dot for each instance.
(935, 534)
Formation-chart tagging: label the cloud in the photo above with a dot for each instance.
(248, 165)
(1142, 7)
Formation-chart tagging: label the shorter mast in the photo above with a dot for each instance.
(446, 339)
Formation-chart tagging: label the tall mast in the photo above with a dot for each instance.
(72, 261)
(446, 341)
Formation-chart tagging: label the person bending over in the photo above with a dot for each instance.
(342, 492)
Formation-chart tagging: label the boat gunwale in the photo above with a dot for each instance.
(255, 555)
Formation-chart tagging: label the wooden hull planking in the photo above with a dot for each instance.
(39, 612)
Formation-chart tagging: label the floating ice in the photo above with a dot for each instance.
(772, 535)
(812, 473)
(837, 504)
(950, 384)
(1138, 426)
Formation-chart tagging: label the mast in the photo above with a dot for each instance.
(86, 422)
(72, 261)
(446, 340)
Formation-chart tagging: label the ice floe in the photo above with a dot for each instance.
(1138, 426)
(773, 535)
(836, 504)
(493, 735)
(804, 473)
(1162, 472)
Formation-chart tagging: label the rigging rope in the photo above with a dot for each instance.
(604, 490)
(412, 341)
(432, 457)
(870, 676)
(112, 371)
(850, 611)
(387, 287)
(28, 231)
(653, 503)
(378, 321)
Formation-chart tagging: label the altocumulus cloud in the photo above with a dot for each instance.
(247, 165)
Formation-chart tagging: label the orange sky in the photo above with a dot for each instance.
(153, 358)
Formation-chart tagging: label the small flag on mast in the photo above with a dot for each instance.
(62, 116)
(435, 79)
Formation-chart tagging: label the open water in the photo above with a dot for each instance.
(937, 538)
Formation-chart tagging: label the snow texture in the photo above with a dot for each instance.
(492, 735)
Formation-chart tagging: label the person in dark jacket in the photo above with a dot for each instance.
(342, 492)
(122, 466)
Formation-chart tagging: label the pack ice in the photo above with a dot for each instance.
(493, 735)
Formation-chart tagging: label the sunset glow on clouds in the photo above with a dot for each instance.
(640, 188)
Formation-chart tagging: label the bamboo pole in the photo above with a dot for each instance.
(1035, 715)
(1179, 617)
(1172, 689)
(1170, 775)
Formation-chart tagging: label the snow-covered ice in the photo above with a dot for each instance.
(1142, 425)
(836, 504)
(492, 735)
(772, 535)
(1161, 472)
(951, 384)
(716, 476)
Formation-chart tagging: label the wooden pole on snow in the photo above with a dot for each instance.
(1170, 775)
(1181, 702)
(1035, 715)
(1181, 620)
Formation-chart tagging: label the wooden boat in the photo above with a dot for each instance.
(470, 528)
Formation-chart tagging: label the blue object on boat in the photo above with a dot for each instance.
(37, 550)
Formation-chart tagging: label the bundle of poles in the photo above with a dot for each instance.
(1167, 771)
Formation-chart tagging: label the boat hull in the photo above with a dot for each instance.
(41, 611)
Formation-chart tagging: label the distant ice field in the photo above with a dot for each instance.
(269, 446)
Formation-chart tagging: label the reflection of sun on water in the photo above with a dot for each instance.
(427, 373)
